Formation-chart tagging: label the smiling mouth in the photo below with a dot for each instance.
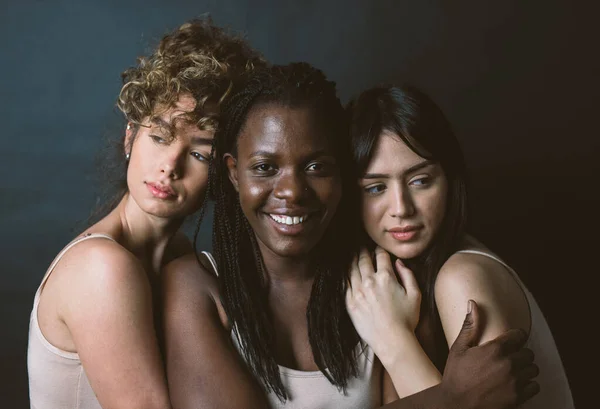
(288, 220)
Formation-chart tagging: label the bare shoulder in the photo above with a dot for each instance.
(179, 246)
(100, 270)
(190, 284)
(99, 261)
(478, 277)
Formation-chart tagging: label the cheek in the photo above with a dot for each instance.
(370, 212)
(197, 186)
(252, 195)
(435, 207)
(329, 191)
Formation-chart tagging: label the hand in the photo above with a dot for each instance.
(381, 308)
(494, 375)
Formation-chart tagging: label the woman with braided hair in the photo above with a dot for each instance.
(92, 339)
(263, 323)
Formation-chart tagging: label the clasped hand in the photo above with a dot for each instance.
(382, 306)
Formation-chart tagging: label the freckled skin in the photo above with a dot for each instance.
(285, 164)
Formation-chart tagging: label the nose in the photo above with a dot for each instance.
(402, 202)
(290, 186)
(171, 164)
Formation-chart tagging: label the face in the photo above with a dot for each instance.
(403, 198)
(168, 169)
(287, 178)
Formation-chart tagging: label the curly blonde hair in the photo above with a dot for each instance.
(199, 59)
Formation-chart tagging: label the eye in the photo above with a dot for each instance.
(374, 190)
(157, 139)
(421, 181)
(263, 168)
(315, 167)
(200, 157)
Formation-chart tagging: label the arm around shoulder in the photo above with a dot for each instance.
(203, 368)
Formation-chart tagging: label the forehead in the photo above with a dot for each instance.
(392, 154)
(175, 120)
(283, 129)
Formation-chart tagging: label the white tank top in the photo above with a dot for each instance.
(312, 390)
(554, 386)
(56, 377)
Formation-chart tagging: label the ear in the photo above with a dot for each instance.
(130, 131)
(231, 163)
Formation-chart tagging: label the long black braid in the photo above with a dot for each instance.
(332, 337)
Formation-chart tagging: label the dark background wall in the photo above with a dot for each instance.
(519, 81)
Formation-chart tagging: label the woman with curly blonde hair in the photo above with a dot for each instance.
(92, 336)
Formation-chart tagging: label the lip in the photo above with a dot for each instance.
(404, 233)
(161, 191)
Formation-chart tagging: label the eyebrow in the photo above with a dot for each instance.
(161, 122)
(312, 155)
(198, 140)
(413, 168)
(165, 126)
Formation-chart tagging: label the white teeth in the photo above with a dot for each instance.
(288, 220)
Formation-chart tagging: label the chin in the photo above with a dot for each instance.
(404, 251)
(163, 210)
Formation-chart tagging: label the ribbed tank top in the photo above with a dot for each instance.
(56, 377)
(555, 392)
(312, 390)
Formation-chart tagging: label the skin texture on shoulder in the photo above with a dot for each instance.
(201, 360)
(99, 287)
(501, 299)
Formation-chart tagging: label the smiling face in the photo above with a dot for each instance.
(168, 168)
(287, 178)
(403, 198)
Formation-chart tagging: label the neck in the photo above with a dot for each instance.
(287, 272)
(145, 235)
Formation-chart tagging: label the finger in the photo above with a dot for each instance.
(471, 329)
(365, 265)
(383, 263)
(527, 374)
(407, 278)
(510, 341)
(528, 391)
(355, 278)
(522, 358)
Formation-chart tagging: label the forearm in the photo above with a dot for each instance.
(409, 367)
(434, 397)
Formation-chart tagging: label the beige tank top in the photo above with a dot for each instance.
(555, 392)
(56, 377)
(312, 390)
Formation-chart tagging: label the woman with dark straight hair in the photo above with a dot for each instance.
(412, 179)
(263, 323)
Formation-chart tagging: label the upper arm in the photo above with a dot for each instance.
(201, 361)
(108, 311)
(502, 302)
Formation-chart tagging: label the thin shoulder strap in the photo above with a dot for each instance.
(212, 261)
(62, 253)
(499, 260)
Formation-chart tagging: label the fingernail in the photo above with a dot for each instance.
(469, 306)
